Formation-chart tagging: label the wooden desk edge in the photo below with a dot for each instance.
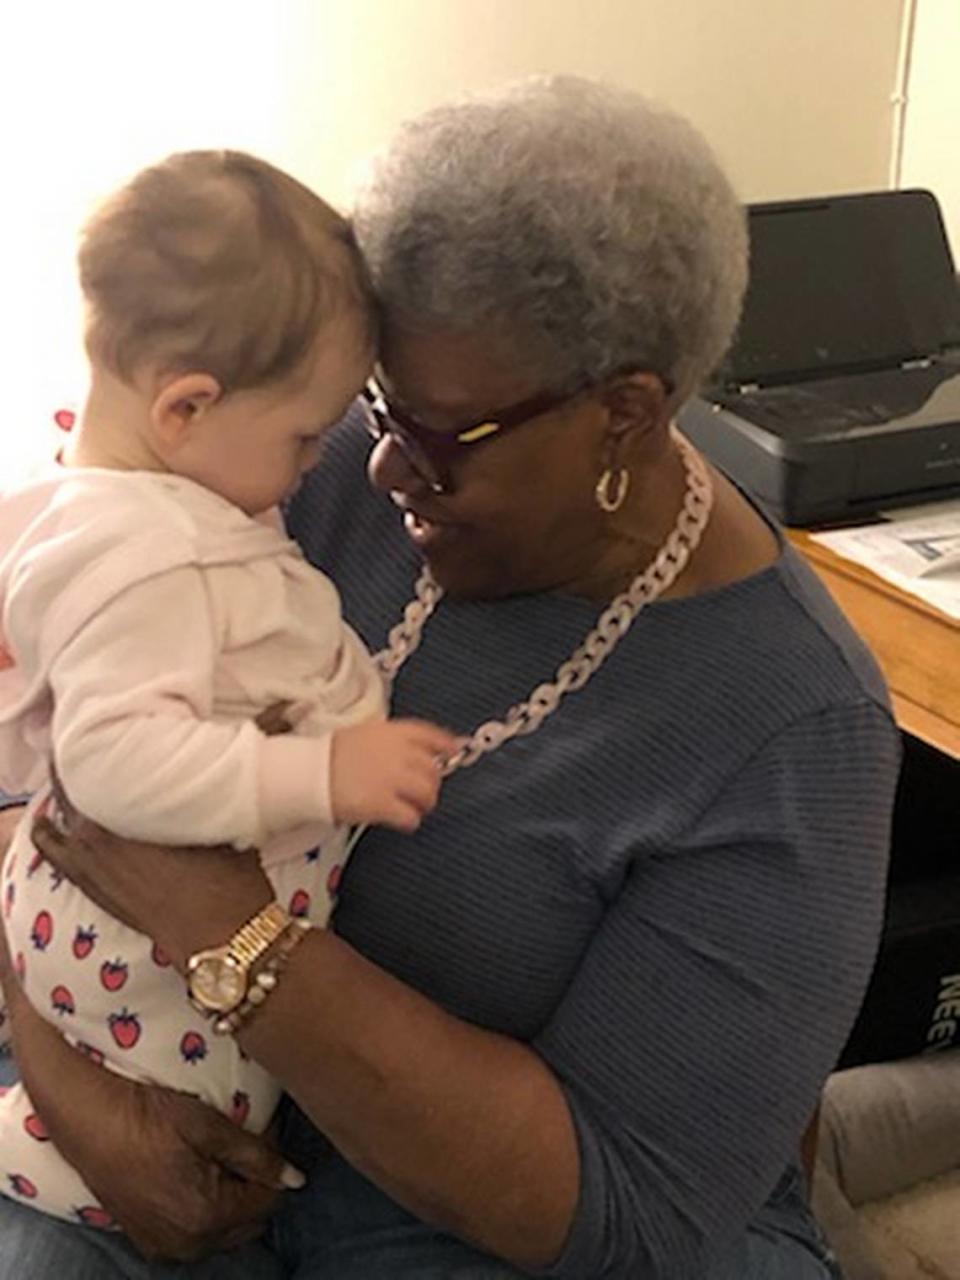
(926, 725)
(822, 557)
(921, 721)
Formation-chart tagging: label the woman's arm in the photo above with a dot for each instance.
(467, 1129)
(9, 817)
(657, 1109)
(211, 1185)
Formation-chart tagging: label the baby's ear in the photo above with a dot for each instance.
(180, 404)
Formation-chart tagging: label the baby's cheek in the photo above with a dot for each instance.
(310, 455)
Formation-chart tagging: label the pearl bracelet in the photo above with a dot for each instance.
(265, 979)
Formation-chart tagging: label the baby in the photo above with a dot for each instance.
(151, 607)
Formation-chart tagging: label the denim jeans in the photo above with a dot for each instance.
(340, 1227)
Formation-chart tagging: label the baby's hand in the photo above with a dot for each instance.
(388, 772)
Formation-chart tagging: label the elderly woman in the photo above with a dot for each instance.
(576, 1026)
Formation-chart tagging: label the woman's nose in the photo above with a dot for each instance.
(389, 468)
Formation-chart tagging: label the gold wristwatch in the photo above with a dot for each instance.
(218, 980)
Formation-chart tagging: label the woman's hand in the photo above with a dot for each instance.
(184, 898)
(179, 1178)
(8, 824)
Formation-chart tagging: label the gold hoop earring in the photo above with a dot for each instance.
(620, 479)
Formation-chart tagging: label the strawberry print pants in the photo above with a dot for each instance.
(115, 997)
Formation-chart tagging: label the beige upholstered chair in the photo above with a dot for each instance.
(886, 1184)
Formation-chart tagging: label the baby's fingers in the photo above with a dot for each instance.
(402, 815)
(420, 786)
(429, 738)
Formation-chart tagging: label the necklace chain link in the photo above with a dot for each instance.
(612, 625)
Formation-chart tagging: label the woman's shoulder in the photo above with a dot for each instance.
(774, 642)
(774, 638)
(705, 691)
(852, 661)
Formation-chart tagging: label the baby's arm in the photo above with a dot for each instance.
(138, 751)
(133, 737)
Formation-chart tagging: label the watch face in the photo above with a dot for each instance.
(217, 983)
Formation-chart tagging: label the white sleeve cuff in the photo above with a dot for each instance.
(294, 780)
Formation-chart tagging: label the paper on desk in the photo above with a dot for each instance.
(917, 549)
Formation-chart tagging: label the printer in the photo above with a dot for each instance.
(840, 397)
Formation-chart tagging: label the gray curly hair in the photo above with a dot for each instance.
(592, 228)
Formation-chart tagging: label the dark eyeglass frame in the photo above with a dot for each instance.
(431, 453)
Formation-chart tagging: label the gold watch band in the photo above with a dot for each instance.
(265, 980)
(259, 934)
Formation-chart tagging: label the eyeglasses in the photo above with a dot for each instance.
(432, 453)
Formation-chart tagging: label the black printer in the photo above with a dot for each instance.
(841, 394)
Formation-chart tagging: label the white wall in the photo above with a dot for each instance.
(931, 144)
(90, 92)
(794, 94)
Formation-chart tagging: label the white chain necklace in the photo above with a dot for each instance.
(612, 625)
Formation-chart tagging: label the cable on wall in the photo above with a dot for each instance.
(899, 97)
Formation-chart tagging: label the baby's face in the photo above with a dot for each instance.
(254, 447)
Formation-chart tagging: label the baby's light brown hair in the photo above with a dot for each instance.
(215, 261)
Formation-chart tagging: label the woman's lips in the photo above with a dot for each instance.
(425, 533)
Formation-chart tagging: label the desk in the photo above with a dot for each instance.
(917, 646)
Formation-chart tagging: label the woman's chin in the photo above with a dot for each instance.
(464, 578)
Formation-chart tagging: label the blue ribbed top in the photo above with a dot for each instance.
(672, 890)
